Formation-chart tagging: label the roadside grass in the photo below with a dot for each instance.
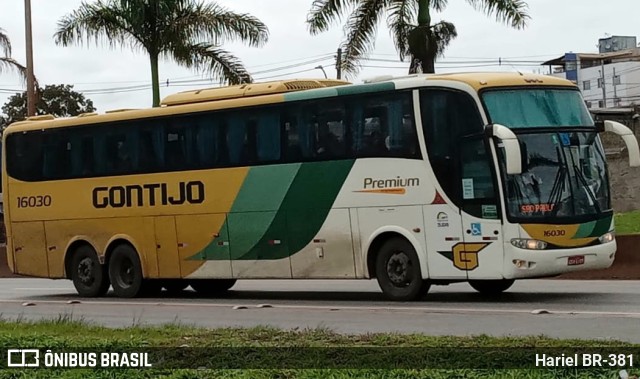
(627, 223)
(76, 335)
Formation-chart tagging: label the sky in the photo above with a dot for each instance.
(116, 78)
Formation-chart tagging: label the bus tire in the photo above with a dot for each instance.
(125, 272)
(398, 271)
(90, 278)
(491, 287)
(174, 286)
(212, 287)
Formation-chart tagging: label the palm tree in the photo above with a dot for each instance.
(189, 31)
(423, 41)
(6, 62)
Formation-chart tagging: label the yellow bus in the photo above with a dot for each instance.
(415, 181)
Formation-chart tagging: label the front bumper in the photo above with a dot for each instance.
(522, 263)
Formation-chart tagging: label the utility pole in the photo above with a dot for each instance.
(31, 87)
(339, 63)
(615, 90)
(604, 88)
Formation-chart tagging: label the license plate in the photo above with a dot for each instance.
(575, 260)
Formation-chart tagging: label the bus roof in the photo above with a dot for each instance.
(283, 91)
(482, 80)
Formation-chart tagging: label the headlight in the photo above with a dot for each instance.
(607, 237)
(529, 244)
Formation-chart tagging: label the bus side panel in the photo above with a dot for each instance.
(166, 247)
(359, 255)
(201, 234)
(258, 245)
(330, 253)
(30, 253)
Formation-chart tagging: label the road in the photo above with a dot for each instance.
(555, 308)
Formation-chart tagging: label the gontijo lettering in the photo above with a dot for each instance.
(148, 194)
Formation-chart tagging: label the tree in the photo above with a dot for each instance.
(6, 62)
(423, 41)
(189, 31)
(58, 100)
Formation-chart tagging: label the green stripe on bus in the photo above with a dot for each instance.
(303, 211)
(365, 88)
(264, 188)
(594, 228)
(304, 199)
(312, 195)
(310, 94)
(584, 230)
(602, 226)
(218, 249)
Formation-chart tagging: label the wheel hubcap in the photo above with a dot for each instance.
(398, 269)
(85, 272)
(127, 274)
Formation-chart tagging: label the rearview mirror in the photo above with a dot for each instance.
(513, 157)
(629, 139)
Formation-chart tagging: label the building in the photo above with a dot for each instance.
(609, 78)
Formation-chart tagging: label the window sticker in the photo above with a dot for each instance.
(467, 188)
(490, 212)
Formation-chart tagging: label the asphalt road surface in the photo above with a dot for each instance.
(554, 308)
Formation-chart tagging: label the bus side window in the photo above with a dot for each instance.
(382, 126)
(249, 147)
(150, 155)
(331, 131)
(57, 155)
(299, 133)
(85, 155)
(236, 136)
(206, 140)
(26, 156)
(120, 150)
(177, 145)
(292, 142)
(369, 129)
(268, 136)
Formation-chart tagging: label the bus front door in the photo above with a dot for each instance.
(482, 254)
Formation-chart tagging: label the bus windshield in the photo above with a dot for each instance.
(564, 172)
(537, 108)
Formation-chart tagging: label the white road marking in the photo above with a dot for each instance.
(333, 307)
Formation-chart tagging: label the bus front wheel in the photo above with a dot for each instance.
(398, 271)
(212, 287)
(491, 287)
(89, 277)
(125, 272)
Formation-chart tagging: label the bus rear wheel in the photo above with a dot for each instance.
(89, 277)
(212, 287)
(491, 287)
(125, 272)
(398, 271)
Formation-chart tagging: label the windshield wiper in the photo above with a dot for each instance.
(587, 189)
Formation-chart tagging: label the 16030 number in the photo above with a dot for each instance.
(34, 201)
